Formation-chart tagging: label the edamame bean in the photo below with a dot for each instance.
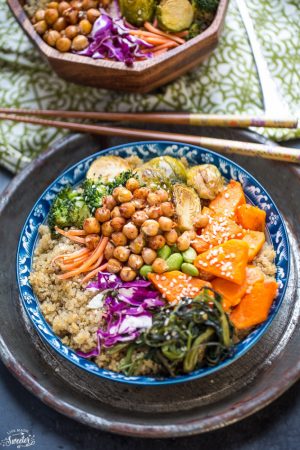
(164, 252)
(190, 269)
(189, 255)
(174, 261)
(144, 270)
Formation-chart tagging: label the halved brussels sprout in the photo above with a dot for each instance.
(187, 204)
(107, 168)
(206, 179)
(137, 11)
(175, 15)
(164, 167)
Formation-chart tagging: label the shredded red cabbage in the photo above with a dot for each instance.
(110, 39)
(127, 310)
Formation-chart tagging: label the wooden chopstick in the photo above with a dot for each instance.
(222, 145)
(215, 120)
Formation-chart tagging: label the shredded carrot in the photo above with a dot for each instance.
(77, 239)
(182, 34)
(93, 273)
(155, 30)
(71, 256)
(166, 45)
(76, 232)
(99, 250)
(75, 263)
(156, 40)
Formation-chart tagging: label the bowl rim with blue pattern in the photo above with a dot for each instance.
(255, 194)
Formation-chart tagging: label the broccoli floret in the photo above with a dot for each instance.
(68, 209)
(93, 193)
(206, 5)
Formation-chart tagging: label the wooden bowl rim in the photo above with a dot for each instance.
(139, 66)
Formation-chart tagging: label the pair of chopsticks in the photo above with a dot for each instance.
(222, 145)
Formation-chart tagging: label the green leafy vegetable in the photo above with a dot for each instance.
(194, 333)
(68, 209)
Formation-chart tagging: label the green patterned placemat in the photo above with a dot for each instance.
(226, 83)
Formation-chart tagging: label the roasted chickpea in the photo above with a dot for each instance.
(139, 217)
(139, 203)
(167, 209)
(148, 255)
(141, 193)
(85, 26)
(51, 16)
(130, 230)
(165, 223)
(77, 4)
(40, 27)
(105, 3)
(113, 265)
(71, 15)
(63, 6)
(102, 214)
(154, 212)
(80, 42)
(184, 241)
(119, 238)
(109, 250)
(87, 4)
(201, 221)
(115, 212)
(137, 245)
(135, 261)
(52, 5)
(127, 209)
(163, 195)
(107, 229)
(153, 199)
(121, 253)
(63, 44)
(127, 274)
(156, 242)
(192, 234)
(71, 31)
(51, 37)
(117, 223)
(150, 227)
(91, 225)
(39, 15)
(124, 195)
(60, 24)
(132, 184)
(116, 191)
(159, 265)
(92, 15)
(92, 240)
(109, 202)
(171, 237)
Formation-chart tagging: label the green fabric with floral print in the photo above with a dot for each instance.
(226, 83)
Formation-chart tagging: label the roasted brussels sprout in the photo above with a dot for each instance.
(107, 168)
(137, 11)
(175, 15)
(162, 170)
(206, 179)
(187, 205)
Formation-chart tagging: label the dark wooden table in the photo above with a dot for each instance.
(276, 427)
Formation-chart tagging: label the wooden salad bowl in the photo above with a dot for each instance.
(144, 76)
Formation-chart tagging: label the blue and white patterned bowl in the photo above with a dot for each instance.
(146, 150)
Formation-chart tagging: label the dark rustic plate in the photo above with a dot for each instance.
(247, 385)
(255, 194)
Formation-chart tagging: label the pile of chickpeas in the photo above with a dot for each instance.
(139, 222)
(65, 25)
